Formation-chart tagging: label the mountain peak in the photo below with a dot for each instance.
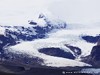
(42, 15)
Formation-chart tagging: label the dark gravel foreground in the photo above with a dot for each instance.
(38, 71)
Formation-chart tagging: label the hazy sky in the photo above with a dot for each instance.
(77, 11)
(72, 11)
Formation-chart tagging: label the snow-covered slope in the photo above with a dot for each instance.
(56, 40)
(31, 48)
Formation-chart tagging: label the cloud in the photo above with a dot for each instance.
(72, 11)
(77, 11)
(20, 11)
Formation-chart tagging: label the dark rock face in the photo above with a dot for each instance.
(46, 71)
(76, 50)
(18, 63)
(95, 53)
(94, 57)
(23, 33)
(57, 52)
(6, 41)
(32, 23)
(91, 39)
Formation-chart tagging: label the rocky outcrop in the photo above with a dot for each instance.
(75, 50)
(94, 57)
(57, 52)
(91, 39)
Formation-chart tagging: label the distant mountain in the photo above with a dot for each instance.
(45, 43)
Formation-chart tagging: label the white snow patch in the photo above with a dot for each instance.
(2, 31)
(41, 23)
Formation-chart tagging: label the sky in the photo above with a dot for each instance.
(20, 11)
(71, 11)
(77, 11)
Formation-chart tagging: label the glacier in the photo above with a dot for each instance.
(23, 43)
